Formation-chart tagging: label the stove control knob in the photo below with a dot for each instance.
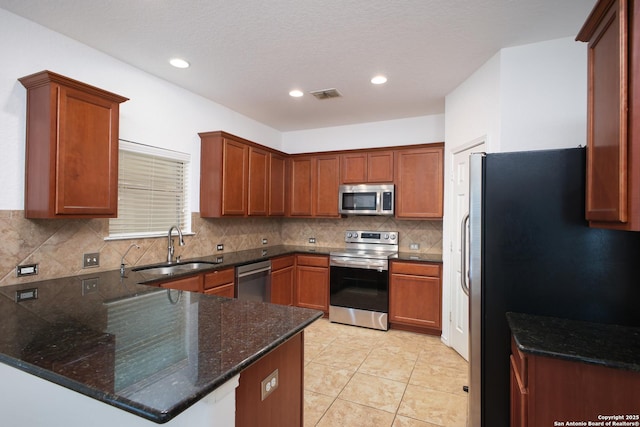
(386, 236)
(348, 235)
(355, 235)
(393, 237)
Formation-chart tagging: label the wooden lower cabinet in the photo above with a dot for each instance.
(546, 391)
(415, 296)
(190, 284)
(312, 282)
(284, 406)
(282, 280)
(219, 282)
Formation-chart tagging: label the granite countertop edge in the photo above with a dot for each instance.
(141, 410)
(611, 346)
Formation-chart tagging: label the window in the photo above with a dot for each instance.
(153, 192)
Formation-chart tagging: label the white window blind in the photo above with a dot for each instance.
(153, 192)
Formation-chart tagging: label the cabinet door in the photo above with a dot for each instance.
(415, 300)
(277, 185)
(312, 286)
(327, 184)
(380, 166)
(301, 186)
(258, 181)
(87, 159)
(419, 183)
(607, 120)
(519, 397)
(282, 286)
(234, 177)
(354, 168)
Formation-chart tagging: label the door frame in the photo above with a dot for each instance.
(450, 227)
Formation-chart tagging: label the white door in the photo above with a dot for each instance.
(459, 319)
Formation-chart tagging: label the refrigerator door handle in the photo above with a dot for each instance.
(464, 271)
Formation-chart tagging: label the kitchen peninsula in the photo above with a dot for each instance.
(116, 352)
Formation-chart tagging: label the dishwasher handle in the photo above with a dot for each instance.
(252, 272)
(251, 269)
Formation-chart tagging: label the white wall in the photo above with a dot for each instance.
(543, 95)
(415, 130)
(158, 113)
(529, 97)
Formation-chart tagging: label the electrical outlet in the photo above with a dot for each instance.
(269, 384)
(264, 241)
(91, 260)
(414, 246)
(220, 247)
(312, 239)
(26, 294)
(89, 286)
(26, 270)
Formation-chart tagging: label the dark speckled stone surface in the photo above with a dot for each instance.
(76, 340)
(607, 345)
(129, 346)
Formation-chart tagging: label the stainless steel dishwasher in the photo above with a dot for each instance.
(253, 281)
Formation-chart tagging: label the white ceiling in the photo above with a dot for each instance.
(248, 54)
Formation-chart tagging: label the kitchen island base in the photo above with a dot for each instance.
(36, 402)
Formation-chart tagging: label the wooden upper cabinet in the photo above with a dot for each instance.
(612, 31)
(367, 167)
(419, 179)
(239, 177)
(301, 186)
(223, 175)
(71, 149)
(314, 186)
(277, 184)
(258, 182)
(326, 185)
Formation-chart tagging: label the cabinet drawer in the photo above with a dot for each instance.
(417, 269)
(519, 361)
(191, 284)
(226, 291)
(282, 262)
(218, 278)
(313, 260)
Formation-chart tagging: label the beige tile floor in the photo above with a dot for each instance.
(363, 377)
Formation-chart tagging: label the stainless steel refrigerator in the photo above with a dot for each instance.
(531, 251)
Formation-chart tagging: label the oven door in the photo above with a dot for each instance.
(359, 288)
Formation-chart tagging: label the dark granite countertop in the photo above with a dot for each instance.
(86, 341)
(600, 344)
(234, 259)
(149, 351)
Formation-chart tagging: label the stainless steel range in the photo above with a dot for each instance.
(360, 279)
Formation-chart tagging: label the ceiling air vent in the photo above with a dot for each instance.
(326, 93)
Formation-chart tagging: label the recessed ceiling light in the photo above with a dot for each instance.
(378, 80)
(179, 63)
(296, 93)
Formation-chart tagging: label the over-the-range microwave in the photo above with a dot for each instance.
(366, 199)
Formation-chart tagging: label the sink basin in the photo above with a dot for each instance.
(166, 270)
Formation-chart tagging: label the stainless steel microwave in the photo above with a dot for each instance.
(366, 199)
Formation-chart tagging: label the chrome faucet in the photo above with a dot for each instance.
(170, 249)
(122, 264)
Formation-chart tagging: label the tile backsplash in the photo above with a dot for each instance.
(57, 245)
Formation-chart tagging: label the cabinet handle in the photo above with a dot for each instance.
(464, 271)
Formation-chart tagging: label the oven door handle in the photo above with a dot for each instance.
(351, 263)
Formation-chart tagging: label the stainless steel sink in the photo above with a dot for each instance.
(166, 270)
